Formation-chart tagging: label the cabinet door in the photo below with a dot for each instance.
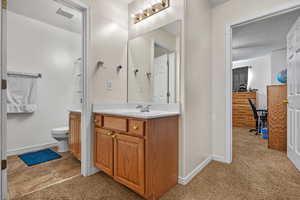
(129, 162)
(74, 136)
(103, 154)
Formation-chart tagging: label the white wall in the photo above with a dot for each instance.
(278, 63)
(34, 47)
(175, 12)
(259, 76)
(197, 83)
(195, 136)
(139, 57)
(231, 12)
(109, 36)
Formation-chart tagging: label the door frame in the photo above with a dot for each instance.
(87, 167)
(3, 139)
(228, 71)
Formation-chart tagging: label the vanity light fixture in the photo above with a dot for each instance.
(155, 7)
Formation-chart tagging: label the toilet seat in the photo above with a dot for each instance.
(61, 132)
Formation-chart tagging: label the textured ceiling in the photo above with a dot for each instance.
(262, 37)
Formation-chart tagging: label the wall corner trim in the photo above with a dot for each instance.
(194, 172)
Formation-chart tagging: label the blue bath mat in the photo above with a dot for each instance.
(39, 157)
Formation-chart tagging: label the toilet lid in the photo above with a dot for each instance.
(61, 130)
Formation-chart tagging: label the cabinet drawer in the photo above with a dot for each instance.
(115, 123)
(98, 121)
(136, 127)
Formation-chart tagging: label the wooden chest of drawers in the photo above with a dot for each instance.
(242, 114)
(140, 154)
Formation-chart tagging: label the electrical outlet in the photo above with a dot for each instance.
(108, 85)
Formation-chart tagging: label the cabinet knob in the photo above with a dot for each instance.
(96, 121)
(286, 101)
(135, 127)
(114, 136)
(109, 133)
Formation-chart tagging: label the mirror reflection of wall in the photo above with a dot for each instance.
(153, 65)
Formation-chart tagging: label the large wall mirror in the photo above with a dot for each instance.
(153, 66)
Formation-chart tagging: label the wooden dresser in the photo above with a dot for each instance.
(277, 117)
(141, 154)
(74, 134)
(242, 114)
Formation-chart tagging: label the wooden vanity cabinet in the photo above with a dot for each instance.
(74, 134)
(140, 154)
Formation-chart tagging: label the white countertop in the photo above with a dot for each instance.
(74, 110)
(136, 113)
(129, 110)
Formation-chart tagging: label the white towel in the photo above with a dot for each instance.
(21, 94)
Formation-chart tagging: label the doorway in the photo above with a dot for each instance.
(56, 66)
(257, 99)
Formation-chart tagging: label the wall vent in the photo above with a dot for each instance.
(64, 13)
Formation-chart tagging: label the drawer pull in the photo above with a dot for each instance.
(135, 127)
(109, 134)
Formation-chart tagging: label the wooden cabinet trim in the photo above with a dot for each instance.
(136, 127)
(115, 123)
(98, 120)
(138, 133)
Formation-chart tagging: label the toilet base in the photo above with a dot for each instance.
(63, 146)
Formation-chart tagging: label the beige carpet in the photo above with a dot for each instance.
(256, 173)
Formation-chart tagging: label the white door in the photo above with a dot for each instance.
(293, 62)
(160, 79)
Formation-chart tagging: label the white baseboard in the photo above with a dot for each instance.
(192, 174)
(220, 159)
(12, 152)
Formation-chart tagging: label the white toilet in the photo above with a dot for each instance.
(61, 135)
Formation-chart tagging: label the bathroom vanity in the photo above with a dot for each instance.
(137, 144)
(139, 150)
(74, 134)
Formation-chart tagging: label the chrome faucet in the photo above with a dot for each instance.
(144, 108)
